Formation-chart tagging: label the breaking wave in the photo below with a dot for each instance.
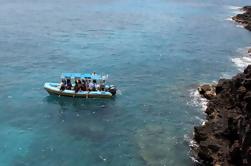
(197, 100)
(243, 60)
(236, 9)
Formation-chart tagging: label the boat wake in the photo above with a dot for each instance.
(243, 60)
(119, 92)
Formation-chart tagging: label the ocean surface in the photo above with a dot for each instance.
(156, 51)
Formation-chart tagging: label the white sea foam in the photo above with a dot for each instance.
(200, 119)
(239, 26)
(188, 139)
(243, 60)
(226, 75)
(238, 12)
(229, 19)
(192, 144)
(236, 9)
(197, 100)
(119, 92)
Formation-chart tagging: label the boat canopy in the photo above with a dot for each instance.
(81, 76)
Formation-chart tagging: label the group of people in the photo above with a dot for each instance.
(82, 85)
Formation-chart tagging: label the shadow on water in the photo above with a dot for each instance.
(79, 104)
(67, 108)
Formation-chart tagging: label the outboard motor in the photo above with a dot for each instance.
(112, 90)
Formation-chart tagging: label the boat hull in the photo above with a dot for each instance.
(54, 89)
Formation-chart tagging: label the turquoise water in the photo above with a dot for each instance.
(156, 52)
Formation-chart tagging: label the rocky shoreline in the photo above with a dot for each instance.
(225, 138)
(244, 18)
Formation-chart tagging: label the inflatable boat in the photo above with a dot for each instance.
(94, 86)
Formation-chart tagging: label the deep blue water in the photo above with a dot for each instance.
(156, 52)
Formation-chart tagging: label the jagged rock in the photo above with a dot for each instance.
(225, 139)
(247, 83)
(207, 91)
(245, 18)
(247, 97)
(222, 84)
(249, 50)
(242, 90)
(200, 133)
(235, 153)
(247, 70)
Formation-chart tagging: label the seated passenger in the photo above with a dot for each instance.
(94, 85)
(76, 86)
(97, 86)
(62, 85)
(68, 84)
(91, 86)
(79, 85)
(83, 87)
(102, 85)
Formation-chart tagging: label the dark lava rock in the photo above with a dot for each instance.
(207, 91)
(245, 18)
(249, 50)
(225, 139)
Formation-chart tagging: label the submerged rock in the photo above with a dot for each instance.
(154, 146)
(225, 139)
(249, 51)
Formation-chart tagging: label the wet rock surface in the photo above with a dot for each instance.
(245, 18)
(225, 139)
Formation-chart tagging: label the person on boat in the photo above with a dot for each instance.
(102, 85)
(95, 85)
(68, 84)
(76, 86)
(87, 84)
(83, 87)
(79, 85)
(91, 86)
(62, 85)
